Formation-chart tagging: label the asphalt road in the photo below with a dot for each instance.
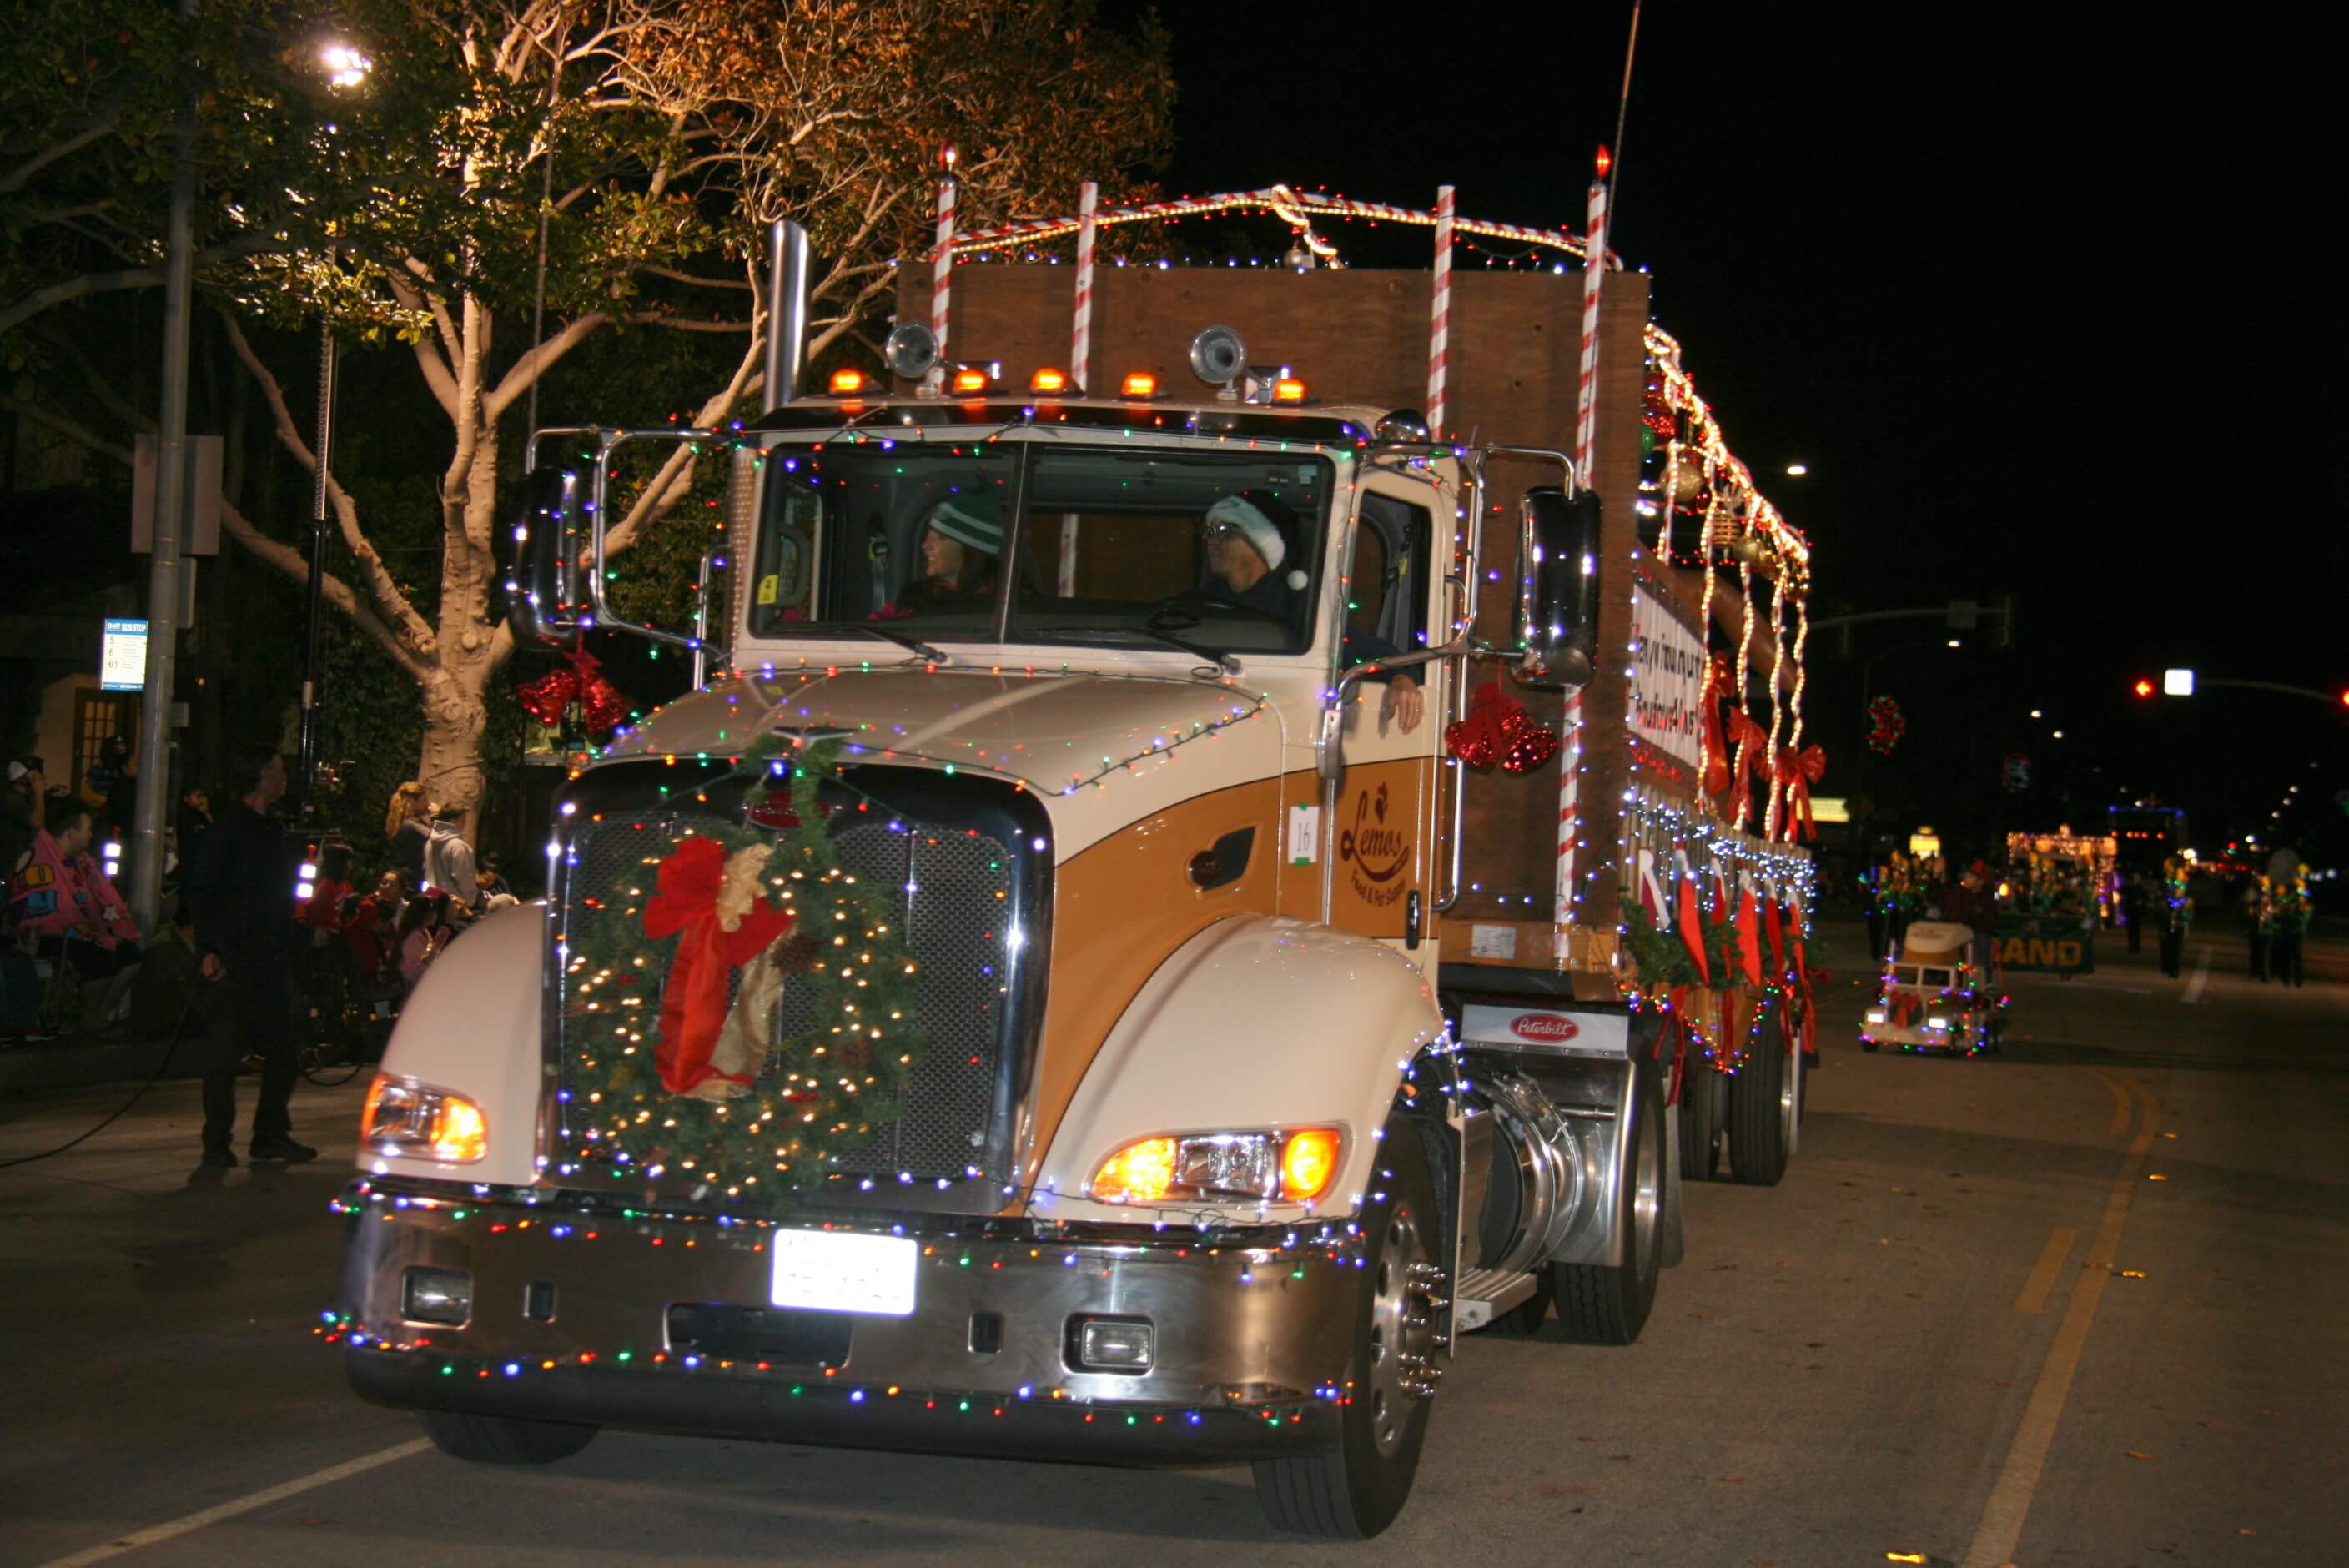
(2077, 1305)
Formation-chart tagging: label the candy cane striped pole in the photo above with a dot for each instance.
(1081, 340)
(942, 264)
(1439, 326)
(1593, 269)
(1569, 815)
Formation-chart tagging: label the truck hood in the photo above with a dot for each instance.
(1080, 741)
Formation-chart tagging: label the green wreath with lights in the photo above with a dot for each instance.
(809, 1098)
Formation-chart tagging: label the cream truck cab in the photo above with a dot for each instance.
(1060, 994)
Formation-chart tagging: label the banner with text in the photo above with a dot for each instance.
(2045, 945)
(1667, 679)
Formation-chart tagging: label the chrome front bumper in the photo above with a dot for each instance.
(572, 1319)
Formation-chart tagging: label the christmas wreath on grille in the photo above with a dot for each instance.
(688, 954)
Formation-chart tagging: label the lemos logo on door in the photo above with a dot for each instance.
(1547, 1027)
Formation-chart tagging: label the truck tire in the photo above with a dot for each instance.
(504, 1440)
(1353, 1489)
(1608, 1303)
(1766, 1105)
(1701, 1117)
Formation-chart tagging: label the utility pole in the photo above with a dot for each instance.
(163, 583)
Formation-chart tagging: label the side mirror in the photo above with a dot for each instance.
(1558, 595)
(540, 553)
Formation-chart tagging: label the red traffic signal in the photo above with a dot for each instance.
(2144, 687)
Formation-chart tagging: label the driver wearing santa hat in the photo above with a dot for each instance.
(1251, 562)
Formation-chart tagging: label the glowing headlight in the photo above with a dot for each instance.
(1295, 1166)
(1937, 1023)
(404, 1118)
(1876, 1015)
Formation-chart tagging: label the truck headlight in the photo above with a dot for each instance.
(1937, 1023)
(404, 1118)
(1876, 1015)
(1296, 1166)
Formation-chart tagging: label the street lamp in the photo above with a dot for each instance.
(346, 66)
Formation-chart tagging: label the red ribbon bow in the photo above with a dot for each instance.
(1794, 772)
(693, 1001)
(602, 706)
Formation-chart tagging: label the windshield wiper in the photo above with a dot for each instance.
(1222, 661)
(935, 656)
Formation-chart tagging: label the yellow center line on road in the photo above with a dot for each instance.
(2122, 1104)
(2042, 1279)
(2026, 1456)
(246, 1505)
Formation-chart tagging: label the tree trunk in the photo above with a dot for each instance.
(456, 697)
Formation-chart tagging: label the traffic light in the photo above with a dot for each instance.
(2144, 687)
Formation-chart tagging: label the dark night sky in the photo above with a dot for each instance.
(2021, 285)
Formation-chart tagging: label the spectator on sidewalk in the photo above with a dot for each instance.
(2133, 906)
(423, 933)
(241, 885)
(63, 899)
(407, 823)
(489, 883)
(23, 806)
(448, 859)
(368, 932)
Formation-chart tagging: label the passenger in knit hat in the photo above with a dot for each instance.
(961, 546)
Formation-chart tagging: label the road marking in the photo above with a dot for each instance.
(2042, 1279)
(2018, 1478)
(2193, 991)
(2122, 1104)
(246, 1505)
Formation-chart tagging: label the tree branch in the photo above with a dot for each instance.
(675, 474)
(413, 628)
(96, 130)
(535, 364)
(239, 527)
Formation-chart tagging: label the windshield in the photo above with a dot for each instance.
(1200, 550)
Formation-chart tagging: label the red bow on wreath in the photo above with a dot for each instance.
(602, 707)
(694, 998)
(1498, 729)
(1794, 772)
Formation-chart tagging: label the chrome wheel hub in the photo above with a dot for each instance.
(1406, 1297)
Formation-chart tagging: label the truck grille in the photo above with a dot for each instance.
(969, 865)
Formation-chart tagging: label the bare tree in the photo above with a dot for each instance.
(648, 143)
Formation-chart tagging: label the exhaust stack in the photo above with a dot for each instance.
(787, 303)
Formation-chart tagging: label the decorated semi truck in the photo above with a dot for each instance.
(1217, 857)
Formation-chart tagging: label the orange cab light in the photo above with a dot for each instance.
(1048, 380)
(459, 1132)
(1288, 389)
(970, 379)
(1141, 384)
(847, 383)
(1307, 1163)
(1137, 1173)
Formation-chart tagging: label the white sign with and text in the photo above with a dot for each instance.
(1667, 679)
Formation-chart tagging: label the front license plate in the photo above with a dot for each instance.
(843, 1271)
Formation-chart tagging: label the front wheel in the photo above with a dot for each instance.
(1354, 1489)
(504, 1440)
(1608, 1303)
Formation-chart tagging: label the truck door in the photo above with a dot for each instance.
(1382, 832)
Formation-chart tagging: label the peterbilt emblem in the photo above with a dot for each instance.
(1543, 1027)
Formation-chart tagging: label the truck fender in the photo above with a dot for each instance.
(1256, 1024)
(472, 1026)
